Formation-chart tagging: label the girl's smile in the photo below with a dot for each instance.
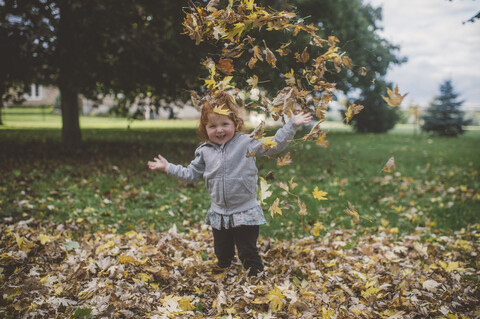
(220, 128)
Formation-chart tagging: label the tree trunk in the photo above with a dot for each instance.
(1, 105)
(71, 134)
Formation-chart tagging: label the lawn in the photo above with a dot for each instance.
(92, 233)
(106, 181)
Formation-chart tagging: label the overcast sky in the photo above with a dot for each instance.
(438, 46)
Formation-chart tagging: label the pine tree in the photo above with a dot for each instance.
(444, 116)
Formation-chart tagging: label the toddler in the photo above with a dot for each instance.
(231, 177)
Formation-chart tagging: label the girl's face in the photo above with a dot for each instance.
(220, 128)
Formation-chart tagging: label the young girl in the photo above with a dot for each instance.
(231, 178)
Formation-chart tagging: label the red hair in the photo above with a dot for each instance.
(224, 101)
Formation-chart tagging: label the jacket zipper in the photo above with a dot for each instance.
(222, 148)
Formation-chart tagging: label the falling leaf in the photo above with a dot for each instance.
(332, 40)
(292, 184)
(248, 4)
(224, 84)
(304, 57)
(389, 166)
(258, 133)
(268, 143)
(317, 227)
(252, 62)
(320, 195)
(303, 207)
(283, 49)
(225, 66)
(253, 152)
(264, 192)
(236, 31)
(270, 57)
(285, 160)
(253, 81)
(352, 110)
(220, 110)
(257, 53)
(274, 209)
(394, 98)
(321, 141)
(313, 134)
(352, 212)
(219, 32)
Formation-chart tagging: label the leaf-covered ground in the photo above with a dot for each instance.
(50, 269)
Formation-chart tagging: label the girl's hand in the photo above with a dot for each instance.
(301, 118)
(160, 164)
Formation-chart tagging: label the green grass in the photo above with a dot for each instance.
(106, 182)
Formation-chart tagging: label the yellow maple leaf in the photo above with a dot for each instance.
(390, 165)
(249, 4)
(450, 267)
(331, 53)
(274, 209)
(45, 239)
(352, 110)
(144, 277)
(210, 82)
(275, 297)
(320, 195)
(220, 110)
(317, 228)
(236, 31)
(268, 143)
(285, 160)
(371, 291)
(352, 211)
(394, 98)
(185, 304)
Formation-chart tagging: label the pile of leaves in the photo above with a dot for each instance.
(62, 270)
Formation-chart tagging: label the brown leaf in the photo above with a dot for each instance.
(225, 66)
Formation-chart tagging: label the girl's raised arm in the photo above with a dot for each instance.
(160, 163)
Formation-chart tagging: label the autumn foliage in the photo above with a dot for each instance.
(60, 270)
(230, 29)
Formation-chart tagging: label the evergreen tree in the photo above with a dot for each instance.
(444, 116)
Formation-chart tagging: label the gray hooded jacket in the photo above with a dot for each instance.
(230, 176)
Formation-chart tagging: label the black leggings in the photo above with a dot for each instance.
(245, 238)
